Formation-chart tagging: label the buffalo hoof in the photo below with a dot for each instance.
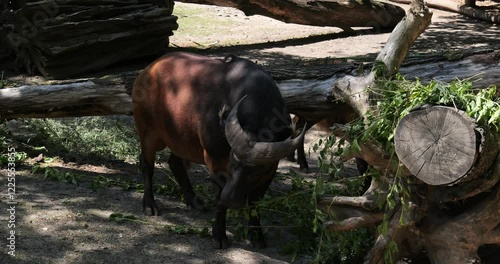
(220, 243)
(151, 209)
(257, 239)
(304, 169)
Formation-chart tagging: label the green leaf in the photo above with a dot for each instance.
(355, 145)
(115, 216)
(495, 118)
(254, 213)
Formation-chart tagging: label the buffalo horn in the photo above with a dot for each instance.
(256, 152)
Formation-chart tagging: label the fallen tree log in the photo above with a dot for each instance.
(311, 98)
(469, 9)
(342, 14)
(74, 99)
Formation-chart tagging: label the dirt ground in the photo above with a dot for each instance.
(64, 223)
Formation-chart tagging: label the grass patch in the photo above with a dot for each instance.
(3, 82)
(196, 21)
(88, 137)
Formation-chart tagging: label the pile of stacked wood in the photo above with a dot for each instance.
(62, 38)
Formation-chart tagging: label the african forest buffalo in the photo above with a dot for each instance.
(227, 114)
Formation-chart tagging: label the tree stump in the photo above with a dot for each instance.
(437, 144)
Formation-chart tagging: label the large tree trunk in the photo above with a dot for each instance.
(342, 14)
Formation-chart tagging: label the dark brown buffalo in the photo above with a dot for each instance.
(227, 114)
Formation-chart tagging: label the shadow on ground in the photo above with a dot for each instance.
(59, 222)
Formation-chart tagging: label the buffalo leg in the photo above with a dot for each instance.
(219, 237)
(362, 167)
(147, 167)
(219, 178)
(301, 158)
(255, 233)
(179, 170)
(301, 154)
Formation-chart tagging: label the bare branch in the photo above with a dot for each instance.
(451, 6)
(362, 219)
(403, 37)
(368, 202)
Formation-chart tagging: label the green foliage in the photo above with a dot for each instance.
(400, 96)
(4, 83)
(120, 218)
(188, 230)
(56, 174)
(395, 99)
(101, 181)
(296, 210)
(19, 157)
(168, 186)
(379, 68)
(177, 229)
(8, 149)
(105, 137)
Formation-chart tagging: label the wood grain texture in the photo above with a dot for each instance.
(438, 144)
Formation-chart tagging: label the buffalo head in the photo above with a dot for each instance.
(252, 163)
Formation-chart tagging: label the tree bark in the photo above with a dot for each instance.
(74, 99)
(342, 14)
(469, 9)
(455, 239)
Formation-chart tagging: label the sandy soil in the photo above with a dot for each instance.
(63, 223)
